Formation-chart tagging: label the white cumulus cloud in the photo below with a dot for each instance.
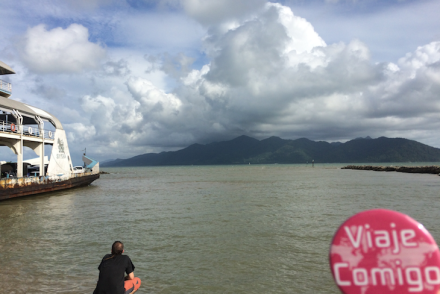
(60, 50)
(274, 75)
(152, 98)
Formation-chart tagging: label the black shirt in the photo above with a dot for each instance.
(111, 274)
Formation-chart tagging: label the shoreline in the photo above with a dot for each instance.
(433, 169)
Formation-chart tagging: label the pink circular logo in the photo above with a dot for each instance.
(384, 251)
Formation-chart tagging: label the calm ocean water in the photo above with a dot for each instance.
(201, 229)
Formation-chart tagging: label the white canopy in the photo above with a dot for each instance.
(29, 112)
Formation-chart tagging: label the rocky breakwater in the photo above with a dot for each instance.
(433, 169)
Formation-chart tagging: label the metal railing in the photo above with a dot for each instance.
(5, 86)
(28, 130)
(78, 175)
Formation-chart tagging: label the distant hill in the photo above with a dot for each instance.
(244, 150)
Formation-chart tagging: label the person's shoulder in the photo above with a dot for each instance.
(106, 256)
(119, 256)
(125, 258)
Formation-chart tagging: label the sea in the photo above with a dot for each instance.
(202, 229)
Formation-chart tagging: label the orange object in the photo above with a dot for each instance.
(13, 127)
(132, 286)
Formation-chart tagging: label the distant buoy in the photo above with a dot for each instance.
(13, 127)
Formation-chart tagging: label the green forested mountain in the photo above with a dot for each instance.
(244, 150)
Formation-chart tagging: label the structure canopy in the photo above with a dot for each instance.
(28, 112)
(5, 69)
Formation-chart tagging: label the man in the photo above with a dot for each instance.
(111, 273)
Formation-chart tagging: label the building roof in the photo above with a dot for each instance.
(5, 69)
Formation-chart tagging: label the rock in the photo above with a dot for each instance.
(403, 169)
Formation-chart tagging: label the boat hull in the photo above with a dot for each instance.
(50, 186)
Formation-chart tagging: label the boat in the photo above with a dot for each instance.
(23, 125)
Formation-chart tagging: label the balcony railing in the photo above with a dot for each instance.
(31, 131)
(5, 87)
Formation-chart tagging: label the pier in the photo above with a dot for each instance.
(432, 169)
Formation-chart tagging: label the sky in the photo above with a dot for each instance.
(128, 77)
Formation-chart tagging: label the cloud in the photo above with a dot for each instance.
(49, 92)
(157, 32)
(152, 98)
(265, 66)
(89, 4)
(260, 71)
(272, 74)
(108, 123)
(215, 12)
(119, 68)
(177, 66)
(409, 88)
(60, 50)
(261, 46)
(377, 23)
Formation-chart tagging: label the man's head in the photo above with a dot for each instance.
(117, 248)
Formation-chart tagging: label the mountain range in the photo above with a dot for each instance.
(245, 150)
